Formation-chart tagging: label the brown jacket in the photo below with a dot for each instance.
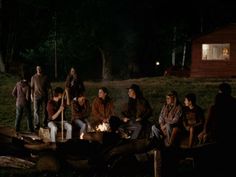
(80, 112)
(102, 110)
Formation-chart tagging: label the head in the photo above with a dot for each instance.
(72, 71)
(38, 69)
(190, 100)
(81, 99)
(172, 97)
(225, 88)
(58, 92)
(103, 92)
(134, 91)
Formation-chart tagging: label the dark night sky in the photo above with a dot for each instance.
(144, 16)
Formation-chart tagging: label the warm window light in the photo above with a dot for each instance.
(219, 51)
(157, 63)
(205, 46)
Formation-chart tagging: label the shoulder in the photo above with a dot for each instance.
(87, 101)
(51, 102)
(33, 77)
(96, 100)
(18, 83)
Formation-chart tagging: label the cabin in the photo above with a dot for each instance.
(214, 54)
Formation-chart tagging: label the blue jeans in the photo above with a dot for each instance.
(81, 125)
(53, 129)
(134, 127)
(19, 114)
(156, 132)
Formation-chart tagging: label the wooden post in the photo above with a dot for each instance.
(62, 126)
(62, 117)
(157, 163)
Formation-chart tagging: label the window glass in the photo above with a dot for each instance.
(216, 51)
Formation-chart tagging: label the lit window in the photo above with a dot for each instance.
(216, 51)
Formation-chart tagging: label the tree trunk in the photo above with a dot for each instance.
(174, 47)
(2, 65)
(106, 65)
(184, 56)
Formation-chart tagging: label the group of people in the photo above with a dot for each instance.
(175, 120)
(85, 116)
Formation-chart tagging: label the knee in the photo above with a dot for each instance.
(153, 128)
(69, 127)
(54, 129)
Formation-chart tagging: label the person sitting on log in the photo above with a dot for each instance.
(81, 110)
(193, 118)
(102, 109)
(136, 112)
(55, 108)
(169, 122)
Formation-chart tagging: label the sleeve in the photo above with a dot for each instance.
(177, 115)
(161, 119)
(28, 92)
(95, 110)
(32, 85)
(50, 110)
(14, 91)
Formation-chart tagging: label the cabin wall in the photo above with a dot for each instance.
(203, 68)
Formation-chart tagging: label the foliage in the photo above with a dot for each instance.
(133, 35)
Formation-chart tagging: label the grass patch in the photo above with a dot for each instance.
(154, 89)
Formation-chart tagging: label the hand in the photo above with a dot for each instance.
(61, 108)
(163, 129)
(138, 119)
(105, 120)
(202, 136)
(125, 119)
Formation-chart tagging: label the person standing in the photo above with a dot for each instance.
(40, 87)
(21, 92)
(74, 85)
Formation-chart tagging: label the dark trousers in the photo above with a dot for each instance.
(19, 115)
(40, 102)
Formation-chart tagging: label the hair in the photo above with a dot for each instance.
(174, 94)
(137, 90)
(105, 90)
(57, 91)
(225, 88)
(191, 97)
